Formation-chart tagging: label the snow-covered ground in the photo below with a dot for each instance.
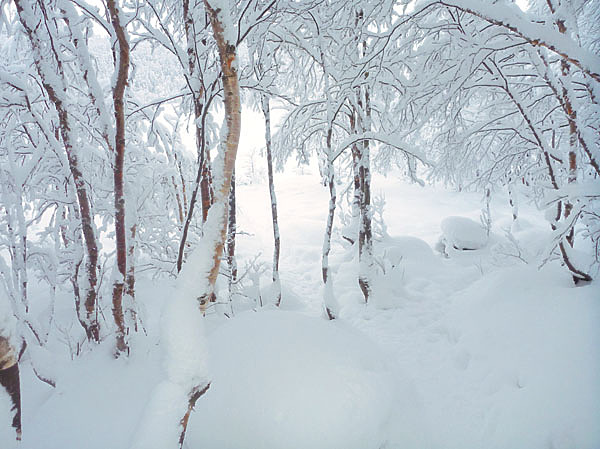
(478, 350)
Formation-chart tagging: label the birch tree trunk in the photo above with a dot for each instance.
(231, 234)
(216, 224)
(49, 67)
(355, 181)
(215, 234)
(130, 281)
(202, 183)
(329, 299)
(122, 63)
(276, 238)
(365, 233)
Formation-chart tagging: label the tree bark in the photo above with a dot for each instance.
(329, 300)
(276, 237)
(231, 233)
(231, 98)
(122, 62)
(365, 233)
(130, 280)
(327, 281)
(356, 197)
(194, 84)
(43, 62)
(10, 380)
(206, 187)
(216, 225)
(203, 182)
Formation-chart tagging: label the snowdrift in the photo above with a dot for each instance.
(285, 380)
(462, 233)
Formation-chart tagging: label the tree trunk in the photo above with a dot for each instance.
(10, 381)
(50, 70)
(188, 219)
(356, 197)
(351, 232)
(130, 281)
(276, 239)
(206, 188)
(17, 248)
(574, 137)
(329, 300)
(204, 181)
(122, 63)
(365, 233)
(578, 275)
(75, 266)
(231, 231)
(231, 98)
(195, 86)
(216, 225)
(512, 200)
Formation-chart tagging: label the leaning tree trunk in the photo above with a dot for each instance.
(207, 260)
(52, 75)
(122, 61)
(192, 207)
(276, 238)
(216, 223)
(10, 380)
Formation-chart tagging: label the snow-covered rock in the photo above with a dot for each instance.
(462, 233)
(286, 380)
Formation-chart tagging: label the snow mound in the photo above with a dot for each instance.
(462, 233)
(396, 250)
(285, 380)
(527, 348)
